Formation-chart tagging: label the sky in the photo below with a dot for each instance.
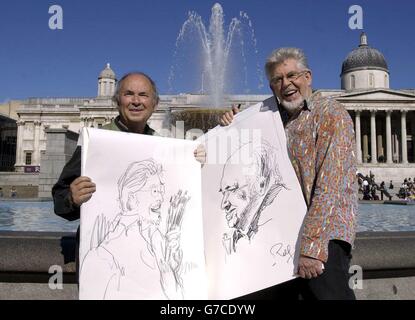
(141, 35)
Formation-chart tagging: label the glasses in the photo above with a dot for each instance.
(291, 77)
(155, 190)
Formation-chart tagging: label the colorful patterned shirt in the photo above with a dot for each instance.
(321, 145)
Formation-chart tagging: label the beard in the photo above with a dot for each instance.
(293, 106)
(245, 219)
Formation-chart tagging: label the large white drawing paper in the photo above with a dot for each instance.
(141, 232)
(253, 205)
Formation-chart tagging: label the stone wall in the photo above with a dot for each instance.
(9, 109)
(386, 173)
(61, 144)
(26, 184)
(388, 263)
(386, 258)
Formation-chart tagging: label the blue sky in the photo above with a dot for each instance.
(140, 35)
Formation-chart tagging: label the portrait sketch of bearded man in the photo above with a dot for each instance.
(250, 182)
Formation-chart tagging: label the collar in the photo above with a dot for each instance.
(120, 125)
(124, 128)
(128, 221)
(120, 225)
(308, 104)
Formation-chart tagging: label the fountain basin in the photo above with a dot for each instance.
(198, 118)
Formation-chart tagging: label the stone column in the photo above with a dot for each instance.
(373, 136)
(404, 139)
(388, 137)
(396, 143)
(100, 88)
(107, 88)
(19, 144)
(36, 144)
(379, 143)
(358, 138)
(365, 148)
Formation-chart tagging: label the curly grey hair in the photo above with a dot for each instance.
(278, 56)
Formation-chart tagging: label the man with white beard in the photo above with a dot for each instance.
(321, 146)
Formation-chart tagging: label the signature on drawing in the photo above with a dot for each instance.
(279, 250)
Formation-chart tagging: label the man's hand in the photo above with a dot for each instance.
(82, 189)
(309, 267)
(227, 117)
(200, 154)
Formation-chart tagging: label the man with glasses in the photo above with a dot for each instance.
(247, 191)
(321, 145)
(141, 243)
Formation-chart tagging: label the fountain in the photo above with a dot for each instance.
(216, 48)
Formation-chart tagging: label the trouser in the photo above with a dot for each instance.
(78, 233)
(333, 284)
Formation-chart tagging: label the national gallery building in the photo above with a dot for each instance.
(384, 118)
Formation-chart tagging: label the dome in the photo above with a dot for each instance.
(107, 73)
(364, 57)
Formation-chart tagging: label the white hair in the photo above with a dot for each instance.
(278, 56)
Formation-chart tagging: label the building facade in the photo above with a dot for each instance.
(384, 118)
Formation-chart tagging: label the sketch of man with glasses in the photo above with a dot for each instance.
(136, 246)
(248, 185)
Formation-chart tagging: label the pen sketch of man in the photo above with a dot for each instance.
(134, 246)
(250, 182)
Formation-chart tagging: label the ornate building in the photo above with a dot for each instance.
(384, 118)
(37, 114)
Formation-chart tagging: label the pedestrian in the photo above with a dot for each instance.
(382, 189)
(13, 192)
